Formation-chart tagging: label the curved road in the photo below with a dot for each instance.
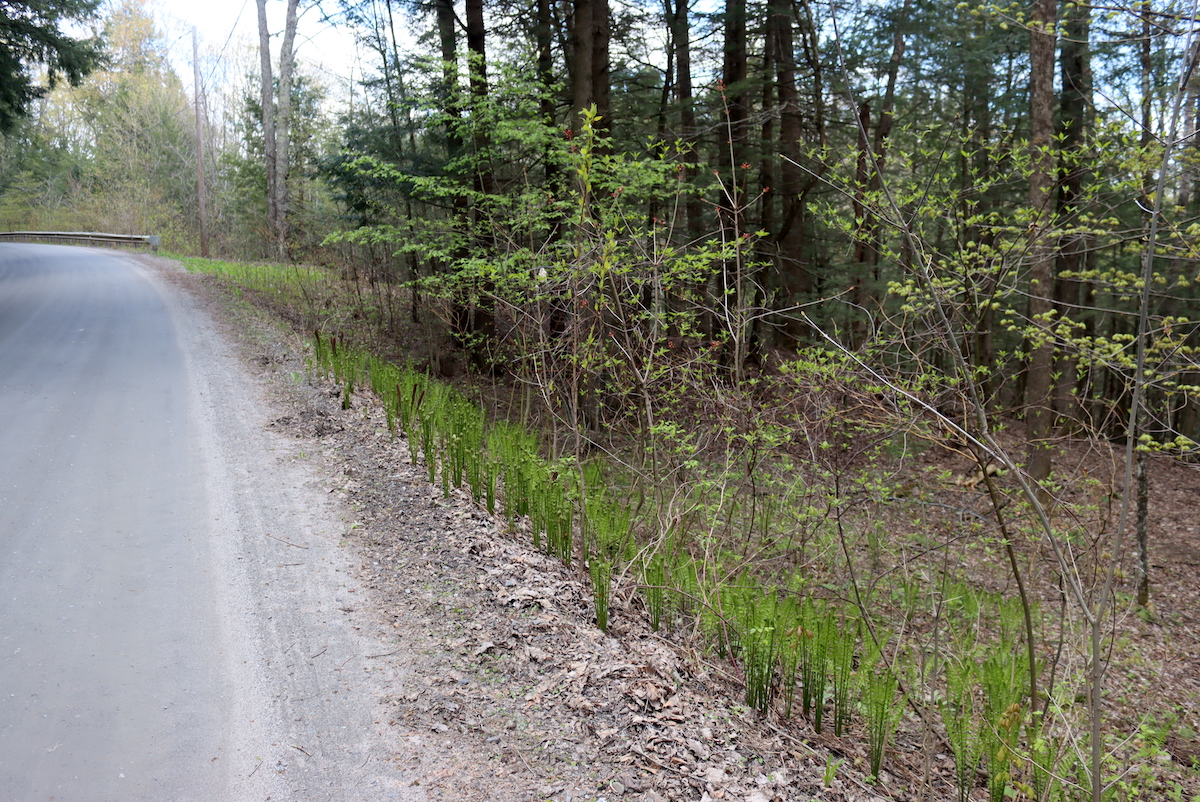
(144, 611)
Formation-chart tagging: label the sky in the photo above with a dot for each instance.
(228, 34)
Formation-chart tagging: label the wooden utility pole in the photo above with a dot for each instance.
(202, 190)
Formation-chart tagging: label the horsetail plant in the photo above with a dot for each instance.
(600, 569)
(609, 523)
(491, 473)
(753, 611)
(758, 652)
(812, 661)
(881, 710)
(962, 731)
(1002, 717)
(654, 579)
(789, 659)
(559, 520)
(843, 640)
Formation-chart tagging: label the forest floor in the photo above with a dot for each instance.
(508, 691)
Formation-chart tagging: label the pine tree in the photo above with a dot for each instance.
(31, 40)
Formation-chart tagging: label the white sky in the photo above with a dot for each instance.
(228, 33)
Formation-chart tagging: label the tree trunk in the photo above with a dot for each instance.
(681, 34)
(1039, 418)
(581, 61)
(727, 293)
(267, 98)
(796, 280)
(864, 224)
(543, 29)
(978, 161)
(460, 309)
(448, 41)
(601, 64)
(590, 76)
(201, 187)
(767, 184)
(477, 72)
(1190, 139)
(1074, 114)
(1143, 537)
(733, 78)
(390, 51)
(871, 162)
(283, 130)
(481, 320)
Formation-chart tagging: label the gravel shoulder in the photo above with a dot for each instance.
(306, 712)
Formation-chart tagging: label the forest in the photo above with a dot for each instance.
(845, 336)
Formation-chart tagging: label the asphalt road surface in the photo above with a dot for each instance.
(170, 576)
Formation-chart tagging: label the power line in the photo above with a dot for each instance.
(208, 78)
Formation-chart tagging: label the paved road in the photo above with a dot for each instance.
(131, 663)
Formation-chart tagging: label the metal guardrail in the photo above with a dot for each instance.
(85, 238)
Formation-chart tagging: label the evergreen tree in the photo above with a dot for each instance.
(32, 40)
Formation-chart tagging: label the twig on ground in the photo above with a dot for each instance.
(288, 542)
(517, 752)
